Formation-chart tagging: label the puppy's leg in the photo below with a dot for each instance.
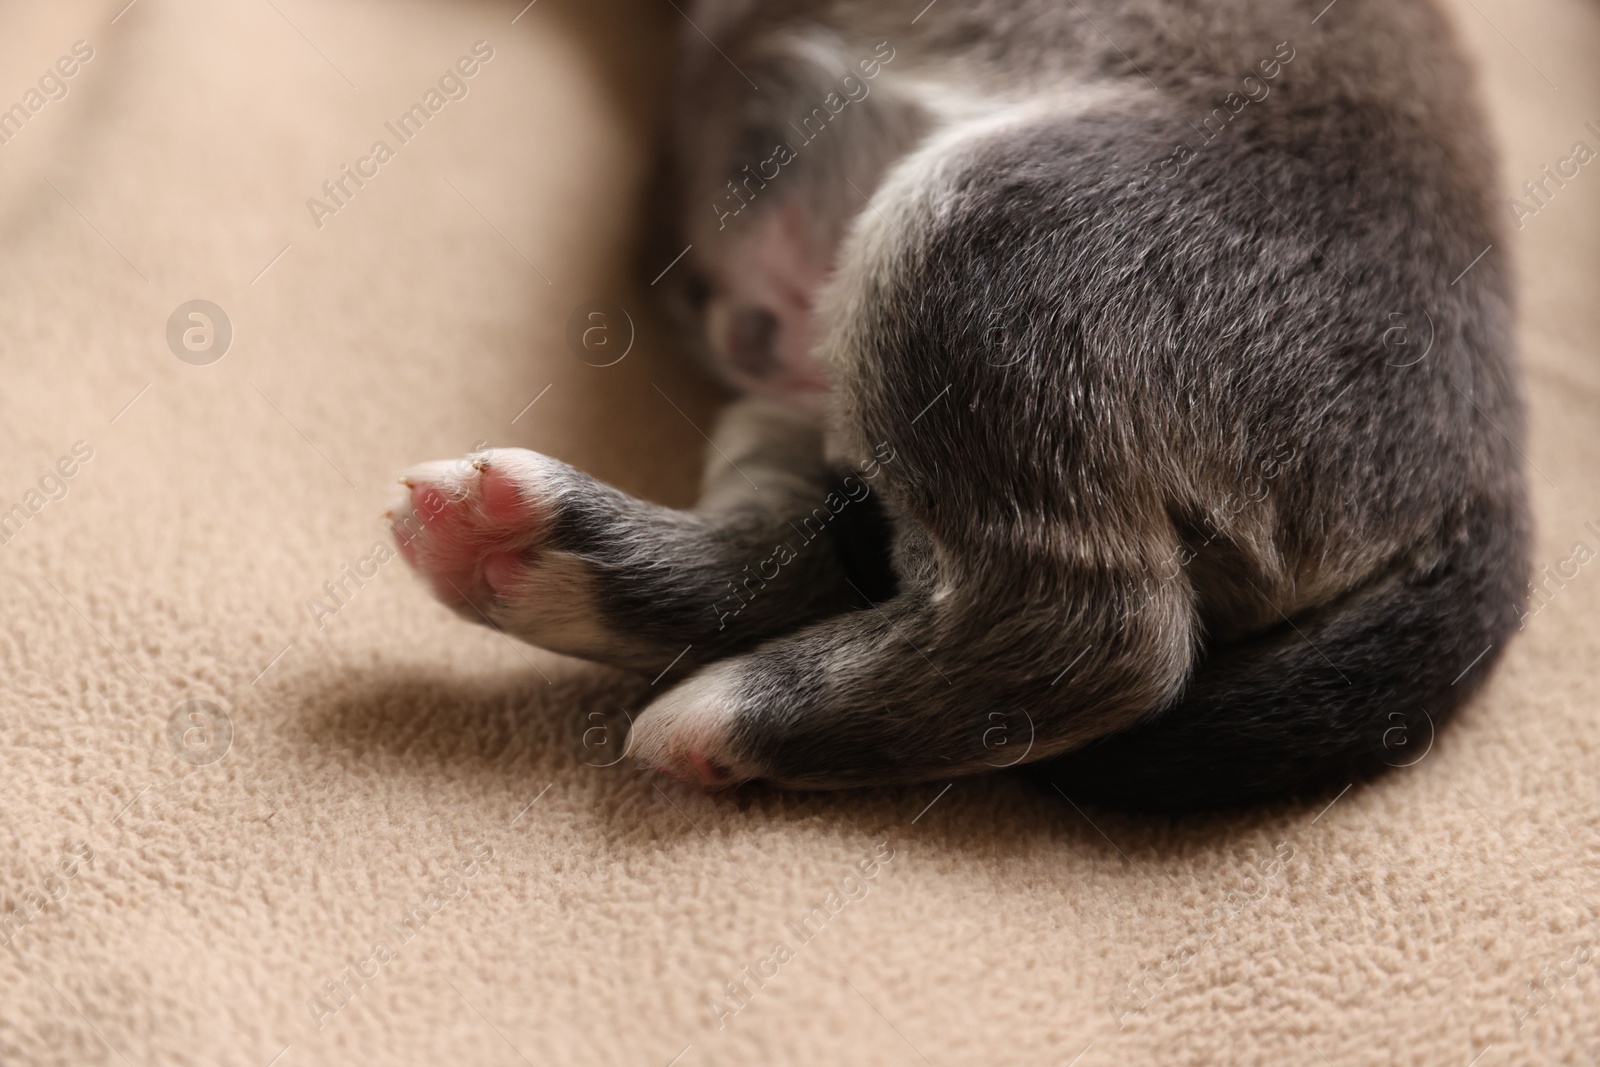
(1035, 568)
(915, 688)
(534, 547)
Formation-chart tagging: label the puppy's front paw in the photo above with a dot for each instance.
(689, 732)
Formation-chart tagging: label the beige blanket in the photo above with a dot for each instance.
(263, 802)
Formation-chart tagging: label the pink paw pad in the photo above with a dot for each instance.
(501, 498)
(687, 732)
(503, 571)
(711, 774)
(465, 524)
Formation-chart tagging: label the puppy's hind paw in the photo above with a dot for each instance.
(469, 525)
(689, 732)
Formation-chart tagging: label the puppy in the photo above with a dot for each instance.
(1131, 377)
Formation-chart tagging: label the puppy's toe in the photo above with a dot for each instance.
(689, 732)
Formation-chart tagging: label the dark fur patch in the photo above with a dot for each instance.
(1161, 485)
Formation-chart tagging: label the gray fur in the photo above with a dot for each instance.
(1122, 307)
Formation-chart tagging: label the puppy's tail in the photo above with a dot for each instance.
(1333, 697)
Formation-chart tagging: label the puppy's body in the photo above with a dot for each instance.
(1098, 313)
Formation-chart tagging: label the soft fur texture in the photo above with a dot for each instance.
(1406, 925)
(1103, 340)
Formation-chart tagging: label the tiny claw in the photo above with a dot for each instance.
(481, 463)
(407, 482)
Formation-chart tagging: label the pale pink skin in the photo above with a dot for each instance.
(477, 525)
(773, 267)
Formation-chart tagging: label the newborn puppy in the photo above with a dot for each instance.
(1132, 377)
